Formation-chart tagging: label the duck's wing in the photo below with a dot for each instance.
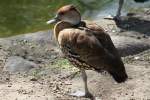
(89, 48)
(103, 38)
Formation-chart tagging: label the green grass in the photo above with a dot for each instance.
(23, 16)
(62, 63)
(56, 66)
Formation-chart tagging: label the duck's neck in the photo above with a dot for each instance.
(63, 25)
(60, 26)
(80, 24)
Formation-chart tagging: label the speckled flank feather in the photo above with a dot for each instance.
(74, 58)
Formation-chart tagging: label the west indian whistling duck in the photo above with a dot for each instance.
(86, 45)
(118, 14)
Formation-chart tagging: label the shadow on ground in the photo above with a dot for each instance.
(135, 23)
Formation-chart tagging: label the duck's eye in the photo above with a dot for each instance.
(61, 13)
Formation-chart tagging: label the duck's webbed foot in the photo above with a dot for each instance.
(117, 18)
(89, 95)
(83, 94)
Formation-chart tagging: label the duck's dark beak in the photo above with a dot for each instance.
(53, 21)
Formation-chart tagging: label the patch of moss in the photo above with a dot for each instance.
(128, 60)
(62, 63)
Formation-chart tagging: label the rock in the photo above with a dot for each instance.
(136, 58)
(129, 46)
(41, 37)
(78, 94)
(18, 64)
(33, 79)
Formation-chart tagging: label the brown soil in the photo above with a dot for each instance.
(53, 81)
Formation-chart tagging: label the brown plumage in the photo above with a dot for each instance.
(91, 46)
(87, 46)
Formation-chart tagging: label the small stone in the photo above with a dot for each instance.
(98, 98)
(78, 94)
(33, 79)
(68, 83)
(7, 79)
(113, 31)
(138, 37)
(56, 88)
(9, 86)
(137, 58)
(18, 64)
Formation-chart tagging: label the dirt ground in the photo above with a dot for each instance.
(55, 80)
(53, 84)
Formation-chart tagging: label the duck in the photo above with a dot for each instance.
(121, 2)
(86, 45)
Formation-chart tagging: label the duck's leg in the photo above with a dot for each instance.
(84, 76)
(117, 16)
(119, 9)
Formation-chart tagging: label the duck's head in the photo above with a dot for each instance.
(67, 13)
